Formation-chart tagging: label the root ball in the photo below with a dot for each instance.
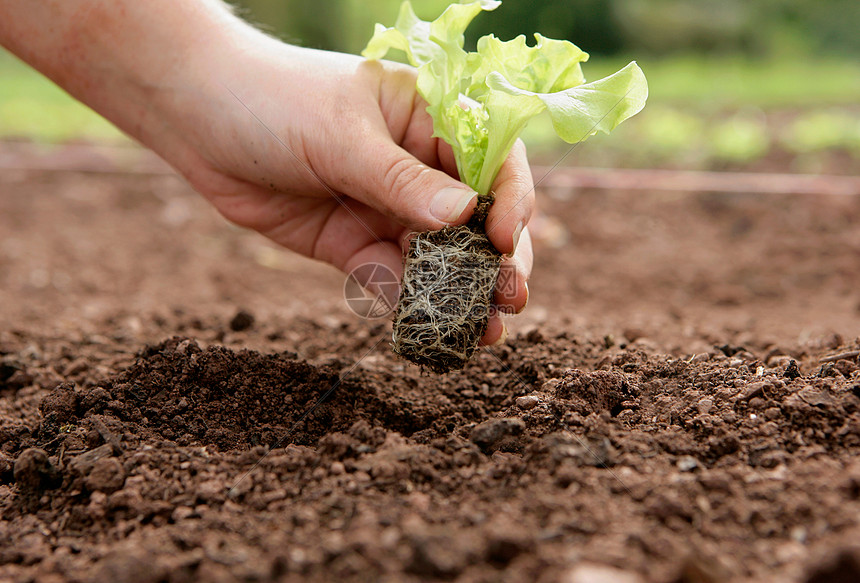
(446, 296)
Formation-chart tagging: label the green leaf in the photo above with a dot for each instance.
(480, 102)
(425, 42)
(507, 116)
(576, 113)
(409, 34)
(549, 66)
(582, 111)
(448, 29)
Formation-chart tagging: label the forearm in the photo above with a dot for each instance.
(126, 59)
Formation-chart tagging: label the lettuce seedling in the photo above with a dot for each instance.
(480, 103)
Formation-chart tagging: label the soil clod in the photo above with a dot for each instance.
(242, 321)
(106, 476)
(792, 371)
(34, 472)
(60, 405)
(493, 434)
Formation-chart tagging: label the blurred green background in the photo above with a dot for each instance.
(756, 84)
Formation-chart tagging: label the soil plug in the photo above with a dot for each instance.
(480, 103)
(448, 281)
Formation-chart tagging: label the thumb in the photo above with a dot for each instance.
(397, 184)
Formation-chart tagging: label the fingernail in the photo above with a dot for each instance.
(517, 232)
(525, 303)
(503, 337)
(449, 203)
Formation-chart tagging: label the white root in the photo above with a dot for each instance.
(445, 299)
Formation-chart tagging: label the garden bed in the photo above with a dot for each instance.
(679, 402)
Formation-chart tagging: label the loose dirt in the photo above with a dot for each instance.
(181, 401)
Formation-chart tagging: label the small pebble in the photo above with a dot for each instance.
(527, 402)
(799, 534)
(687, 463)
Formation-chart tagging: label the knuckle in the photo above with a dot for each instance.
(399, 178)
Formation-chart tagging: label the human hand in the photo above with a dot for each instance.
(326, 154)
(332, 156)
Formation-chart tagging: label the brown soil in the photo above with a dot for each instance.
(680, 401)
